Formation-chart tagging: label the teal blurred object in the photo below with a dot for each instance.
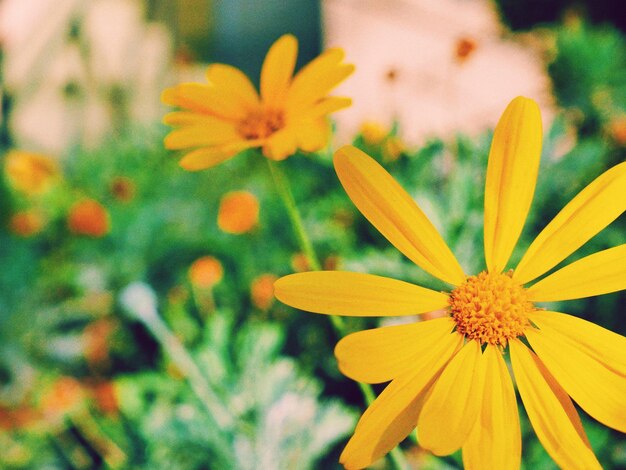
(243, 31)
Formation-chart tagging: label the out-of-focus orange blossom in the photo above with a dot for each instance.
(123, 188)
(105, 395)
(238, 212)
(30, 173)
(88, 217)
(63, 396)
(205, 272)
(96, 339)
(26, 223)
(300, 263)
(617, 130)
(464, 48)
(262, 291)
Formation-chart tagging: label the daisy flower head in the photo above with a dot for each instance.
(448, 376)
(225, 116)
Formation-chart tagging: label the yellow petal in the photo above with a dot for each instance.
(217, 132)
(595, 207)
(204, 99)
(392, 211)
(601, 344)
(317, 79)
(186, 118)
(313, 135)
(356, 294)
(495, 441)
(597, 274)
(281, 144)
(511, 178)
(232, 81)
(382, 354)
(551, 412)
(598, 389)
(394, 413)
(278, 69)
(452, 407)
(326, 106)
(208, 157)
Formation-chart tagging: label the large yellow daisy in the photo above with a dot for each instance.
(227, 115)
(448, 376)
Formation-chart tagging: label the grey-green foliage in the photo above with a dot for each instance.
(281, 421)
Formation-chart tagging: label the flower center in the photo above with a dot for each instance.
(490, 308)
(262, 123)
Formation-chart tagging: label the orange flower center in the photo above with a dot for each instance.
(260, 124)
(490, 308)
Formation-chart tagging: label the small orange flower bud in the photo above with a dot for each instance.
(88, 217)
(331, 263)
(300, 263)
(123, 189)
(63, 396)
(373, 133)
(95, 338)
(262, 291)
(205, 272)
(26, 223)
(464, 48)
(30, 173)
(238, 212)
(617, 130)
(105, 396)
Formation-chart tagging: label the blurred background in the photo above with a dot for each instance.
(138, 327)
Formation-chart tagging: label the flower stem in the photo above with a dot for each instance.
(284, 190)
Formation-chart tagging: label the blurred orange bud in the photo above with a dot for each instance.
(17, 418)
(123, 189)
(88, 217)
(391, 75)
(373, 133)
(96, 337)
(300, 263)
(464, 48)
(26, 223)
(105, 396)
(262, 291)
(393, 148)
(617, 130)
(238, 212)
(331, 263)
(205, 272)
(30, 173)
(63, 396)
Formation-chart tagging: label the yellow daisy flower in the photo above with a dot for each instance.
(448, 376)
(227, 115)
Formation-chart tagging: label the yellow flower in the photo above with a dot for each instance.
(30, 173)
(448, 375)
(227, 115)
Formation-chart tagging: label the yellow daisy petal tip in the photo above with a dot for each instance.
(511, 178)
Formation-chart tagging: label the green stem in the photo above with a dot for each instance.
(284, 190)
(185, 363)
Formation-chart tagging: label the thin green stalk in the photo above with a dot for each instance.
(185, 363)
(284, 190)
